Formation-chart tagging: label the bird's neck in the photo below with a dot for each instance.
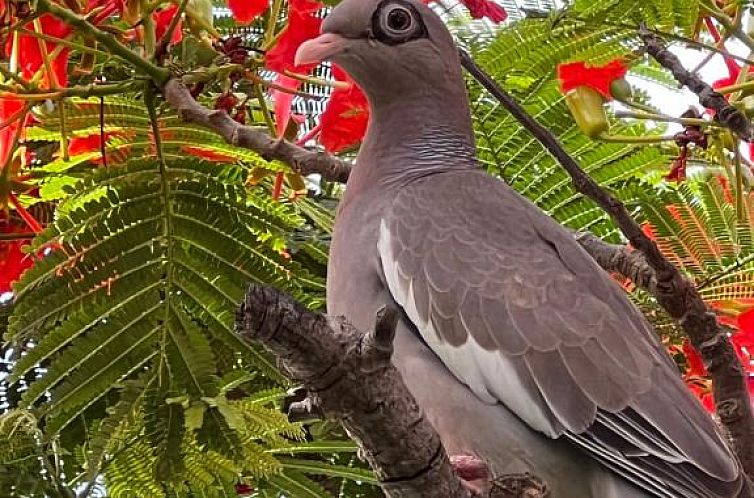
(412, 138)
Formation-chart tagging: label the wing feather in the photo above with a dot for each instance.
(522, 315)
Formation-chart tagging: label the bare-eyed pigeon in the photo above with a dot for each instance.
(521, 351)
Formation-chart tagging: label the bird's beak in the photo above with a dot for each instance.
(318, 49)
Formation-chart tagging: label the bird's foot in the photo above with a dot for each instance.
(472, 471)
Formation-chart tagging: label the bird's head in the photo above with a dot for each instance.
(390, 47)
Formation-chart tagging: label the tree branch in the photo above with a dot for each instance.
(301, 160)
(725, 113)
(673, 292)
(620, 259)
(352, 379)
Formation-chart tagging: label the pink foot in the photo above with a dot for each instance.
(472, 471)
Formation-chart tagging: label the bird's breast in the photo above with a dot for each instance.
(354, 286)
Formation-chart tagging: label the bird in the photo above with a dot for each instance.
(521, 351)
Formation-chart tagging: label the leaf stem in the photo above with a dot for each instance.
(666, 119)
(150, 97)
(740, 208)
(269, 33)
(65, 42)
(639, 139)
(265, 110)
(75, 91)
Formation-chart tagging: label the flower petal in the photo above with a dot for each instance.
(344, 120)
(303, 25)
(599, 78)
(245, 11)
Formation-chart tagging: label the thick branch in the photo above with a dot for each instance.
(351, 378)
(725, 113)
(301, 160)
(674, 292)
(620, 259)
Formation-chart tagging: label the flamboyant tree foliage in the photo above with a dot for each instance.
(128, 236)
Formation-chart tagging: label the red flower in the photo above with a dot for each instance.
(485, 8)
(30, 56)
(743, 339)
(704, 395)
(162, 18)
(694, 363)
(599, 78)
(13, 262)
(283, 101)
(245, 11)
(9, 108)
(303, 25)
(344, 120)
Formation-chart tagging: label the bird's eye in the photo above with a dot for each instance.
(397, 21)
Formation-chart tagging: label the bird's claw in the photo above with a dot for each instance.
(472, 471)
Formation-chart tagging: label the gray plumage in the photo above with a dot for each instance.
(518, 347)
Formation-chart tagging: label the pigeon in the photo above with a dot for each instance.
(521, 351)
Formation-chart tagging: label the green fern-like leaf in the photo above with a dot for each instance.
(696, 226)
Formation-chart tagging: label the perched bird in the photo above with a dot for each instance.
(521, 351)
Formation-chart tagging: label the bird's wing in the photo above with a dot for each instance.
(517, 310)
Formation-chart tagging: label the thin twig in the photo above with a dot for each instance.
(725, 113)
(301, 160)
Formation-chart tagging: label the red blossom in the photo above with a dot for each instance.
(694, 363)
(30, 56)
(344, 120)
(599, 78)
(162, 18)
(743, 338)
(283, 101)
(245, 11)
(9, 109)
(483, 8)
(303, 25)
(486, 8)
(733, 71)
(703, 394)
(13, 261)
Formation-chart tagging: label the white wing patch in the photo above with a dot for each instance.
(490, 375)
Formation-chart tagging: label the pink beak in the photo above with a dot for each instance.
(320, 48)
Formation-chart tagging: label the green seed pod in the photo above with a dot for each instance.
(620, 89)
(586, 106)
